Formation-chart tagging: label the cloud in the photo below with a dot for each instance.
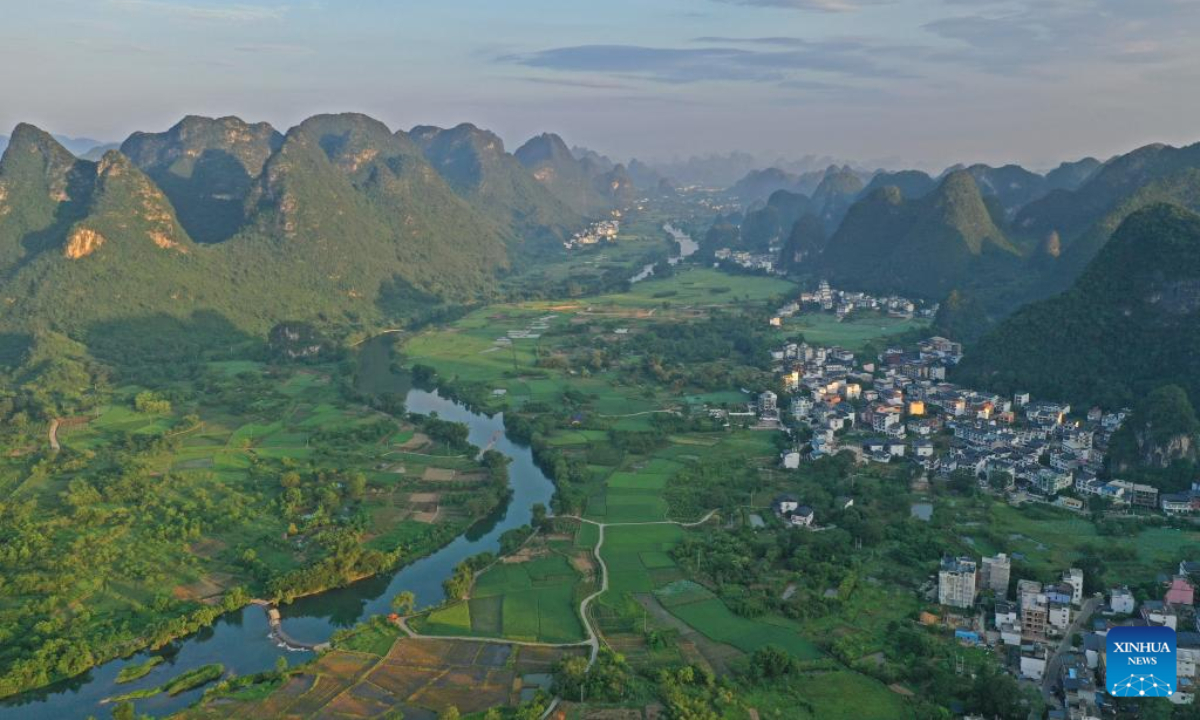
(1004, 35)
(827, 6)
(780, 41)
(585, 84)
(779, 59)
(217, 12)
(274, 49)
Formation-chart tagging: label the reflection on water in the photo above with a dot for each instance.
(687, 246)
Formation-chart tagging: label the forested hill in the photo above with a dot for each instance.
(926, 246)
(1131, 323)
(476, 166)
(588, 187)
(339, 220)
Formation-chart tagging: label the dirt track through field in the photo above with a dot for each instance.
(593, 639)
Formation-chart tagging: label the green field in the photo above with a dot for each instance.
(1049, 539)
(704, 611)
(852, 333)
(478, 348)
(832, 695)
(535, 601)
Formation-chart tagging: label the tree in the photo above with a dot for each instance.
(356, 486)
(771, 662)
(124, 711)
(404, 602)
(450, 713)
(539, 515)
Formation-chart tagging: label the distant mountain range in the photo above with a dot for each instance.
(1004, 235)
(86, 148)
(338, 219)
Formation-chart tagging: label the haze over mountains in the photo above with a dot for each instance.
(342, 219)
(339, 217)
(1004, 234)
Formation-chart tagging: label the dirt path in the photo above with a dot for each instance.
(593, 639)
(54, 435)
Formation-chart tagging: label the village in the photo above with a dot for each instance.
(844, 302)
(1053, 634)
(596, 233)
(899, 407)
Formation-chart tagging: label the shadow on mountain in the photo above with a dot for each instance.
(80, 182)
(210, 202)
(13, 346)
(167, 346)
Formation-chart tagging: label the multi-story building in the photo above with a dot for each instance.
(767, 404)
(1074, 578)
(956, 582)
(994, 574)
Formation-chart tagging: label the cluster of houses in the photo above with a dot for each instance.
(597, 232)
(899, 405)
(1035, 628)
(747, 260)
(844, 302)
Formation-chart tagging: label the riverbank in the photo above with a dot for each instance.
(250, 641)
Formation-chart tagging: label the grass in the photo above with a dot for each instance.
(189, 680)
(535, 600)
(717, 622)
(834, 695)
(853, 333)
(373, 638)
(129, 673)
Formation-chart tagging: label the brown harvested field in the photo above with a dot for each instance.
(364, 700)
(207, 589)
(281, 699)
(424, 497)
(425, 514)
(419, 653)
(468, 699)
(419, 677)
(436, 474)
(416, 442)
(322, 692)
(542, 659)
(583, 562)
(433, 674)
(532, 551)
(402, 681)
(344, 665)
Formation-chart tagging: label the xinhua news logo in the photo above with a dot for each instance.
(1140, 661)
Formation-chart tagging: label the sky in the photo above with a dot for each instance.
(923, 83)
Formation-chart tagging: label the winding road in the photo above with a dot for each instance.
(593, 639)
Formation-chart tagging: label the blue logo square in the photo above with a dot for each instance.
(1140, 662)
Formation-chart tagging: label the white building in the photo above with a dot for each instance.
(1074, 578)
(956, 582)
(1121, 601)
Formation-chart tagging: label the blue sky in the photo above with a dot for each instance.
(927, 82)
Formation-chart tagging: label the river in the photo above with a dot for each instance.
(240, 639)
(687, 246)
